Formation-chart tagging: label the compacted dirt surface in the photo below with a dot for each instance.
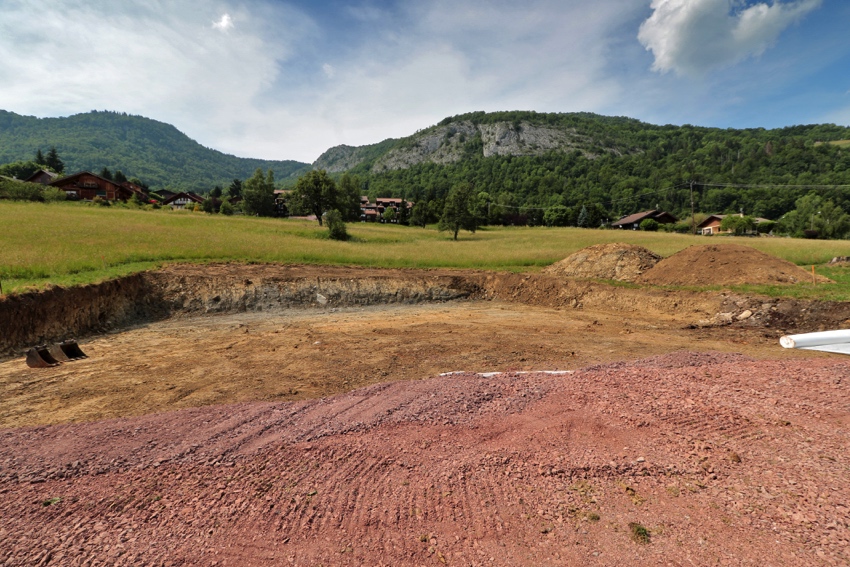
(244, 429)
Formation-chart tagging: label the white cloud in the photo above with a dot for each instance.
(691, 37)
(329, 70)
(224, 24)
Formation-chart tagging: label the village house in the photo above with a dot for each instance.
(711, 224)
(183, 200)
(42, 176)
(86, 185)
(632, 222)
(374, 212)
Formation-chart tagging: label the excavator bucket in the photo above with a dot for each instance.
(40, 357)
(67, 351)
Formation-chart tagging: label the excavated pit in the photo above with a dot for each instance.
(58, 313)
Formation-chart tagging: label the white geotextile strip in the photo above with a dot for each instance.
(827, 341)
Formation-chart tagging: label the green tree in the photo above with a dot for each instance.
(226, 208)
(419, 214)
(737, 224)
(19, 169)
(456, 212)
(39, 157)
(348, 198)
(105, 173)
(208, 206)
(119, 177)
(336, 226)
(258, 194)
(235, 188)
(404, 213)
(389, 215)
(216, 192)
(53, 162)
(317, 192)
(559, 215)
(583, 217)
(816, 217)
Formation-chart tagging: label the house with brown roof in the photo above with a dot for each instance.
(711, 224)
(86, 185)
(632, 222)
(42, 176)
(374, 212)
(183, 199)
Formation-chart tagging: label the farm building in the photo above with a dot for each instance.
(632, 222)
(183, 199)
(711, 224)
(374, 212)
(42, 176)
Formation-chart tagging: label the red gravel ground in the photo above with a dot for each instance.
(681, 459)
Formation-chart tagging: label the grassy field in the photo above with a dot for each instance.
(72, 243)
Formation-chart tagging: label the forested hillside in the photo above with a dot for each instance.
(157, 153)
(612, 165)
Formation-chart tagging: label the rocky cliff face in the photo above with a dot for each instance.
(453, 142)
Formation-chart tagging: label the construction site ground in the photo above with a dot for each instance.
(327, 436)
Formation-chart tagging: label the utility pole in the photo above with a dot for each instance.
(693, 219)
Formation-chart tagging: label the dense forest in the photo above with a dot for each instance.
(155, 152)
(629, 166)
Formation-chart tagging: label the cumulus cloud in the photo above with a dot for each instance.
(224, 24)
(692, 37)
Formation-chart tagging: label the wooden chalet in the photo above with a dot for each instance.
(711, 224)
(374, 212)
(632, 222)
(183, 199)
(86, 185)
(42, 176)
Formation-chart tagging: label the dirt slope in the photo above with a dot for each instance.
(614, 261)
(723, 459)
(725, 264)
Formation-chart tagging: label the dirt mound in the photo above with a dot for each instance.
(614, 261)
(714, 456)
(725, 264)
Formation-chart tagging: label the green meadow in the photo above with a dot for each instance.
(73, 243)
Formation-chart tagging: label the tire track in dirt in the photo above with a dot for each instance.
(524, 469)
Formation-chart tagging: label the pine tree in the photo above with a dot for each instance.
(582, 217)
(39, 158)
(53, 162)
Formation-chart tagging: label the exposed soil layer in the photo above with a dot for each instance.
(725, 264)
(613, 261)
(721, 459)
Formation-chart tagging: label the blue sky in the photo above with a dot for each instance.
(289, 79)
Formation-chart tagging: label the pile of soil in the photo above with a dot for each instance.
(687, 458)
(614, 261)
(725, 264)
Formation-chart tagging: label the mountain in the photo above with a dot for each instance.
(528, 133)
(527, 163)
(155, 152)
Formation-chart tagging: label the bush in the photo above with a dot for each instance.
(98, 200)
(226, 208)
(765, 227)
(649, 225)
(208, 205)
(336, 226)
(21, 190)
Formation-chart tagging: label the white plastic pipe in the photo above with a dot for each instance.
(828, 341)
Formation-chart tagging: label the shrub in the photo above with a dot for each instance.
(336, 226)
(51, 194)
(226, 208)
(649, 225)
